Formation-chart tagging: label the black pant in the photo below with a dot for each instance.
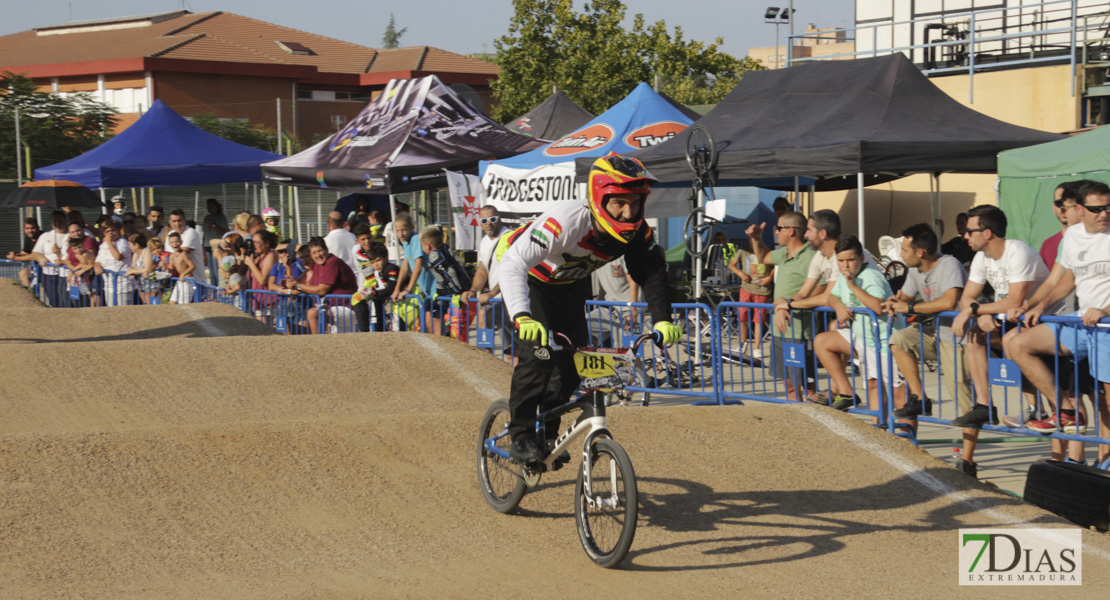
(362, 315)
(546, 378)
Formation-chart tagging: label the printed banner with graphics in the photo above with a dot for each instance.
(401, 141)
(466, 200)
(530, 183)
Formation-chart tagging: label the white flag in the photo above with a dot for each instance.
(467, 199)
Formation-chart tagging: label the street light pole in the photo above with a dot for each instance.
(776, 44)
(778, 16)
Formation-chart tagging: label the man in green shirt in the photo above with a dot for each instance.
(792, 263)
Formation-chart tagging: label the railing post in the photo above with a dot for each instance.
(971, 61)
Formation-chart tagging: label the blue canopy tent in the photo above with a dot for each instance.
(530, 183)
(162, 149)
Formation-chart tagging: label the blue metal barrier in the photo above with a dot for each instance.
(1006, 373)
(747, 367)
(687, 368)
(491, 328)
(335, 315)
(9, 269)
(451, 317)
(289, 314)
(210, 293)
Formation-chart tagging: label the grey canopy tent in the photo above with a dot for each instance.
(847, 124)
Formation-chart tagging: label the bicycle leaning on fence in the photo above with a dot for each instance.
(605, 498)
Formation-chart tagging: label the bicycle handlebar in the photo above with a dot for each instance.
(654, 336)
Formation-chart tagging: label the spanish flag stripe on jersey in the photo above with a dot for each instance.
(553, 226)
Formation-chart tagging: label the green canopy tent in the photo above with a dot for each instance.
(1028, 176)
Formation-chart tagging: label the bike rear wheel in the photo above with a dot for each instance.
(607, 520)
(499, 478)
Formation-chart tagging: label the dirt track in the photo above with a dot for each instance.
(144, 459)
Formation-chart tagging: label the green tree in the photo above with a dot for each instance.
(54, 127)
(392, 36)
(237, 131)
(596, 61)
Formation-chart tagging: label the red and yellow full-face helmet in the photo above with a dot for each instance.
(614, 174)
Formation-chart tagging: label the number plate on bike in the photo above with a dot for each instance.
(605, 367)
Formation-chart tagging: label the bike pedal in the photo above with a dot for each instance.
(560, 461)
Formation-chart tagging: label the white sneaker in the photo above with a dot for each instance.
(757, 353)
(744, 348)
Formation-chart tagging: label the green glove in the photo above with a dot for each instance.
(671, 332)
(531, 330)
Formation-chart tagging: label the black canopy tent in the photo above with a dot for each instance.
(553, 118)
(845, 123)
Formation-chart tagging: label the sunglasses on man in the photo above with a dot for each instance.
(488, 220)
(1096, 209)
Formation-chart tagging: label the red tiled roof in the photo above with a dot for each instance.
(223, 37)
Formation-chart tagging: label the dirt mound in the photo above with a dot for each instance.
(13, 295)
(342, 466)
(117, 323)
(143, 384)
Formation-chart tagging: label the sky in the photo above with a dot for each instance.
(457, 26)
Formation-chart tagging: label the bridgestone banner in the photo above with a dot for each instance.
(531, 191)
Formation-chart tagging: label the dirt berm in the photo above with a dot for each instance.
(145, 453)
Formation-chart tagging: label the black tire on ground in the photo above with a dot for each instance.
(1079, 493)
(606, 532)
(499, 478)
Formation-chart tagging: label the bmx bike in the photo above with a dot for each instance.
(605, 498)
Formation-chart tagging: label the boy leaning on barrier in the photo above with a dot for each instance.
(1085, 257)
(1013, 270)
(386, 274)
(451, 280)
(860, 285)
(933, 285)
(365, 275)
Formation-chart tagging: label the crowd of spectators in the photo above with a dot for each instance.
(998, 296)
(992, 283)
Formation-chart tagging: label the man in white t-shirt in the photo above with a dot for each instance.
(191, 242)
(1013, 269)
(1086, 259)
(341, 243)
(485, 273)
(112, 258)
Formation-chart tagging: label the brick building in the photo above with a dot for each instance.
(229, 65)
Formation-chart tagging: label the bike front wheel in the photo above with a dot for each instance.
(606, 516)
(498, 477)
